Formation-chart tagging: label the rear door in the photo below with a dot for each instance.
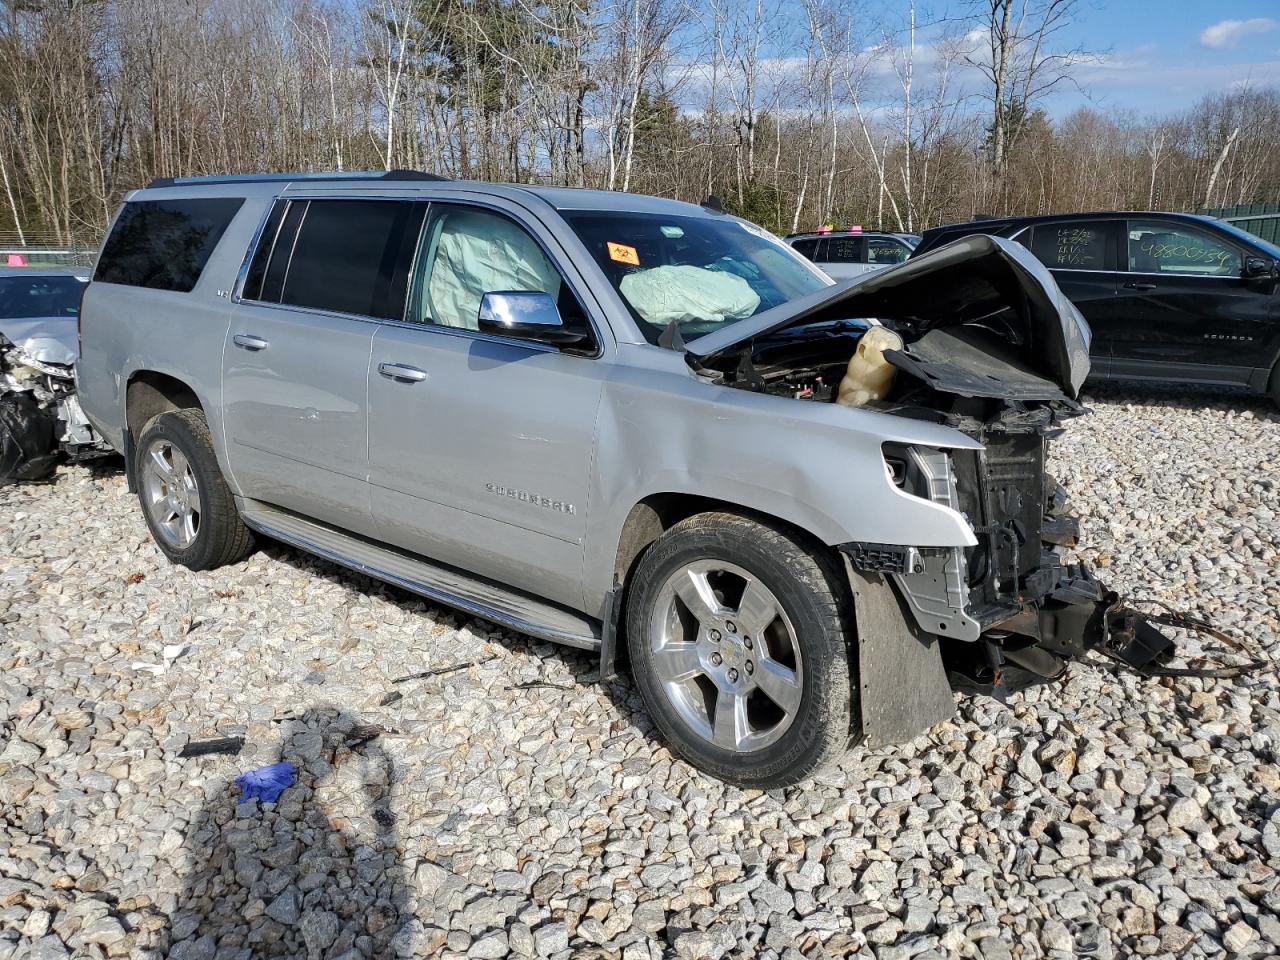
(480, 447)
(1194, 316)
(296, 358)
(1083, 257)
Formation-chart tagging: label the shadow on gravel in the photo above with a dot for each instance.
(584, 666)
(1181, 397)
(317, 873)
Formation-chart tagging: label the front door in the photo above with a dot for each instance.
(296, 358)
(1194, 317)
(480, 447)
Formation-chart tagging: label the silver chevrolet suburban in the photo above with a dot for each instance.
(635, 426)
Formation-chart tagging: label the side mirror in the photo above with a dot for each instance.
(525, 315)
(1259, 268)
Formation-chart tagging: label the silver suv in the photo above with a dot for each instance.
(804, 512)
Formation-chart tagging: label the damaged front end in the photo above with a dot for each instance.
(40, 417)
(980, 339)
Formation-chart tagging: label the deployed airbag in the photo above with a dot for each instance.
(685, 294)
(478, 253)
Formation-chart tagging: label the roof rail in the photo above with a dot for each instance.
(278, 177)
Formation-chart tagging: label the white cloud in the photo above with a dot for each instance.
(1227, 33)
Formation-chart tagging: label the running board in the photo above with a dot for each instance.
(446, 585)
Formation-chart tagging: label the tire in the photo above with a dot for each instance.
(188, 507)
(698, 595)
(1274, 386)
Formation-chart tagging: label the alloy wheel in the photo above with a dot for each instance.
(171, 495)
(726, 655)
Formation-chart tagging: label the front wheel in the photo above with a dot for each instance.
(738, 640)
(186, 502)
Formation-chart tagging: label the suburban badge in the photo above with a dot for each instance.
(524, 496)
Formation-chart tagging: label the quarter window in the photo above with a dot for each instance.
(1162, 247)
(164, 244)
(808, 248)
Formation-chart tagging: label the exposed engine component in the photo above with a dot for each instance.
(869, 375)
(973, 339)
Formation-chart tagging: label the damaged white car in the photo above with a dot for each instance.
(40, 417)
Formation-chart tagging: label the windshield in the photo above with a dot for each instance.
(39, 296)
(1269, 248)
(697, 272)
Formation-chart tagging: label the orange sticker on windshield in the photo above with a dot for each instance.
(623, 254)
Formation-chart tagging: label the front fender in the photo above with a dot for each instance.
(818, 466)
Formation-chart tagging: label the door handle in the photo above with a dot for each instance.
(402, 372)
(1134, 285)
(249, 342)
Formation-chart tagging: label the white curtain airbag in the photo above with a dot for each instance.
(480, 253)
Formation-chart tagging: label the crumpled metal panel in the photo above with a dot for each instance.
(903, 686)
(43, 339)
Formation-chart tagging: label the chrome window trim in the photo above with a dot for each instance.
(292, 247)
(243, 273)
(468, 334)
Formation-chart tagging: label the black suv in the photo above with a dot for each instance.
(1170, 296)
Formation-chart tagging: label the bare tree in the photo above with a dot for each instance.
(1020, 62)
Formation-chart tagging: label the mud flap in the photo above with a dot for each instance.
(903, 687)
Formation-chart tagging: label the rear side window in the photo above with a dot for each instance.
(843, 250)
(164, 244)
(346, 256)
(1078, 245)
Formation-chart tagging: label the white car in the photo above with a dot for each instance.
(850, 253)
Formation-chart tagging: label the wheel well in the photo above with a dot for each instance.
(656, 514)
(150, 393)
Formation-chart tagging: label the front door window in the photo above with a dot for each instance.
(1162, 247)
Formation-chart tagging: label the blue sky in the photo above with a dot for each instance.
(1150, 57)
(1164, 55)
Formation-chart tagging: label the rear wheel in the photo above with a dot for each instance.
(1274, 386)
(186, 502)
(737, 635)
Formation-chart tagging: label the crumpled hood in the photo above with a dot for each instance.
(975, 279)
(44, 339)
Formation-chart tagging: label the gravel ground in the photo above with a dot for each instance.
(1105, 816)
